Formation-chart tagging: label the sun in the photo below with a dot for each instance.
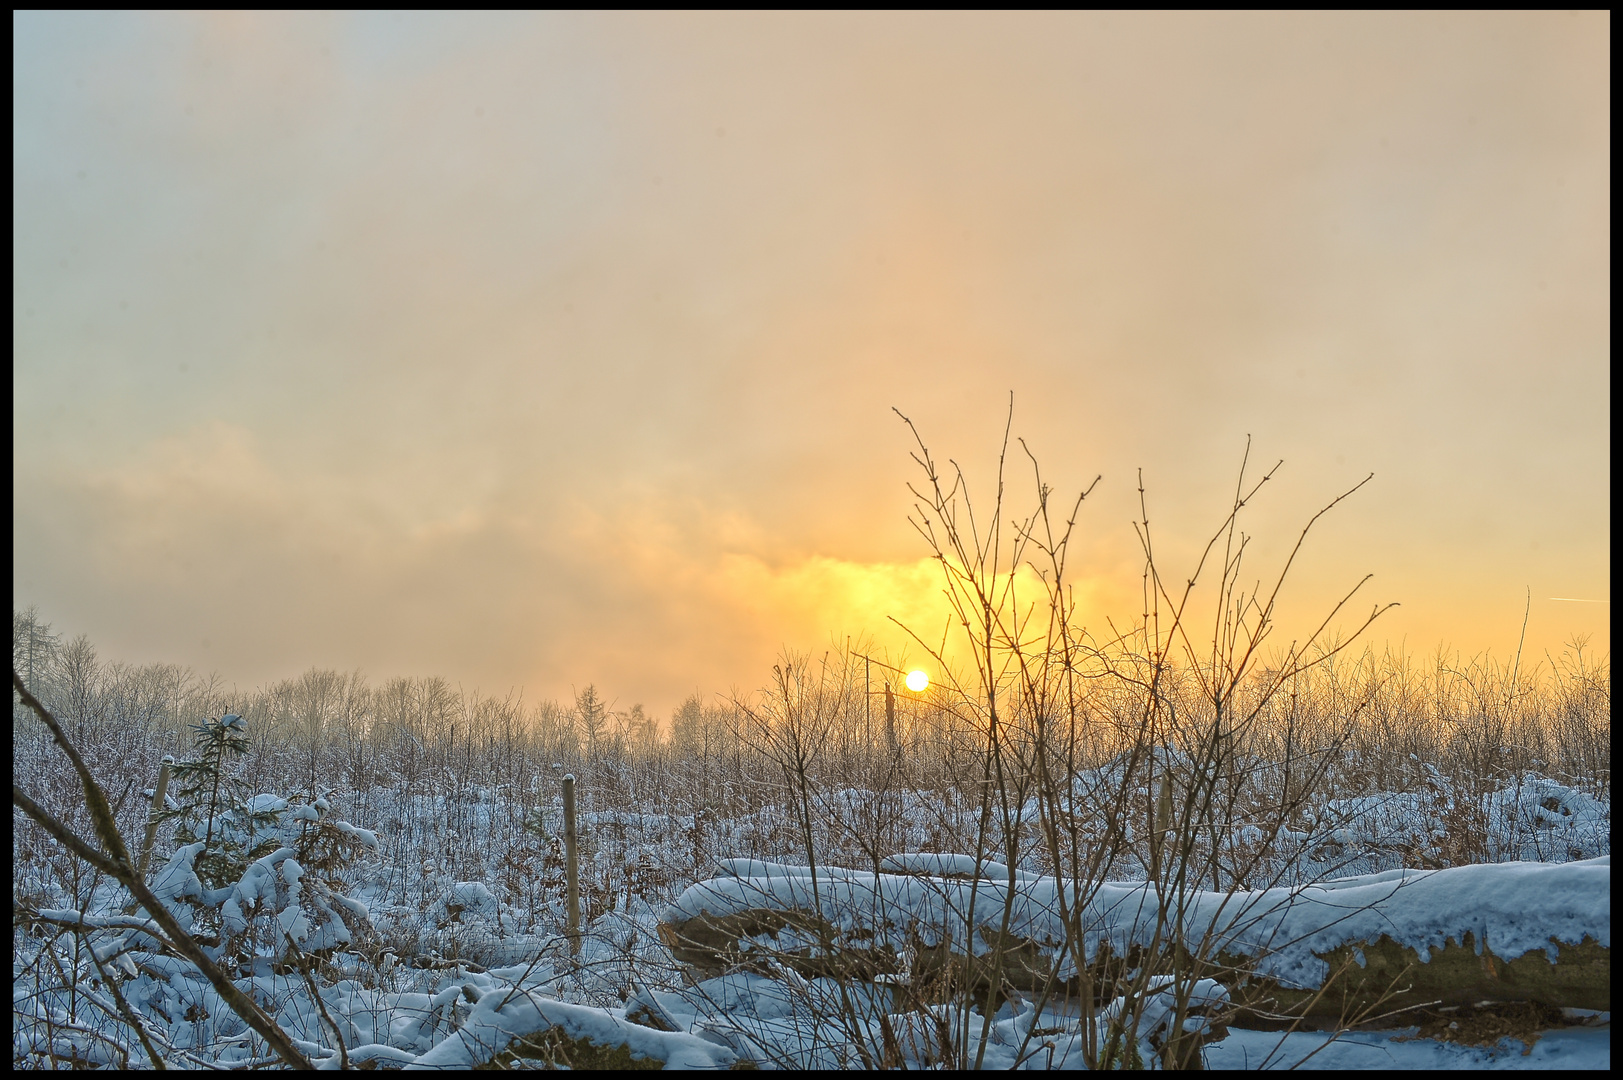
(917, 681)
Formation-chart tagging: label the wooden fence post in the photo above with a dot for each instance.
(152, 818)
(571, 867)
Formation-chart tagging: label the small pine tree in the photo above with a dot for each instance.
(203, 785)
(536, 824)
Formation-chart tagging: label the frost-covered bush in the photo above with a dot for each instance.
(1538, 819)
(287, 899)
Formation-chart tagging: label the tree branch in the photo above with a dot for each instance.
(120, 867)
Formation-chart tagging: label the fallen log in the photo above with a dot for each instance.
(1385, 975)
(519, 1028)
(1354, 946)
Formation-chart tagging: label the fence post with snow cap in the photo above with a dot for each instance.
(571, 867)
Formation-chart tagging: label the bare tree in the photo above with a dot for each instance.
(33, 644)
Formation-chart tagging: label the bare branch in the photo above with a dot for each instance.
(120, 867)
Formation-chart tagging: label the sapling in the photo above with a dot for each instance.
(205, 784)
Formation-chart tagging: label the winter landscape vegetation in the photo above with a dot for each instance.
(1066, 851)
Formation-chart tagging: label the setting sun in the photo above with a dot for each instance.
(917, 681)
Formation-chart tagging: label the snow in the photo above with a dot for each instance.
(1156, 1010)
(265, 804)
(1398, 1049)
(819, 1024)
(366, 837)
(778, 1024)
(761, 868)
(931, 863)
(474, 895)
(177, 878)
(498, 1018)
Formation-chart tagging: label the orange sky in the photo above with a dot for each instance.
(534, 351)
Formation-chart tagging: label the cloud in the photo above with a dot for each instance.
(555, 348)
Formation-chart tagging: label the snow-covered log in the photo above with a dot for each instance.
(507, 1025)
(1503, 932)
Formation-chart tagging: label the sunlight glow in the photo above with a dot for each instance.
(917, 681)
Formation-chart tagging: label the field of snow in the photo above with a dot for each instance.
(475, 965)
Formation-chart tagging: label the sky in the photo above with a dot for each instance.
(538, 351)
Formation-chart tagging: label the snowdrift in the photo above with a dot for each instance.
(516, 1024)
(1503, 932)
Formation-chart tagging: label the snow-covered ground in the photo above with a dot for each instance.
(1399, 1049)
(431, 957)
